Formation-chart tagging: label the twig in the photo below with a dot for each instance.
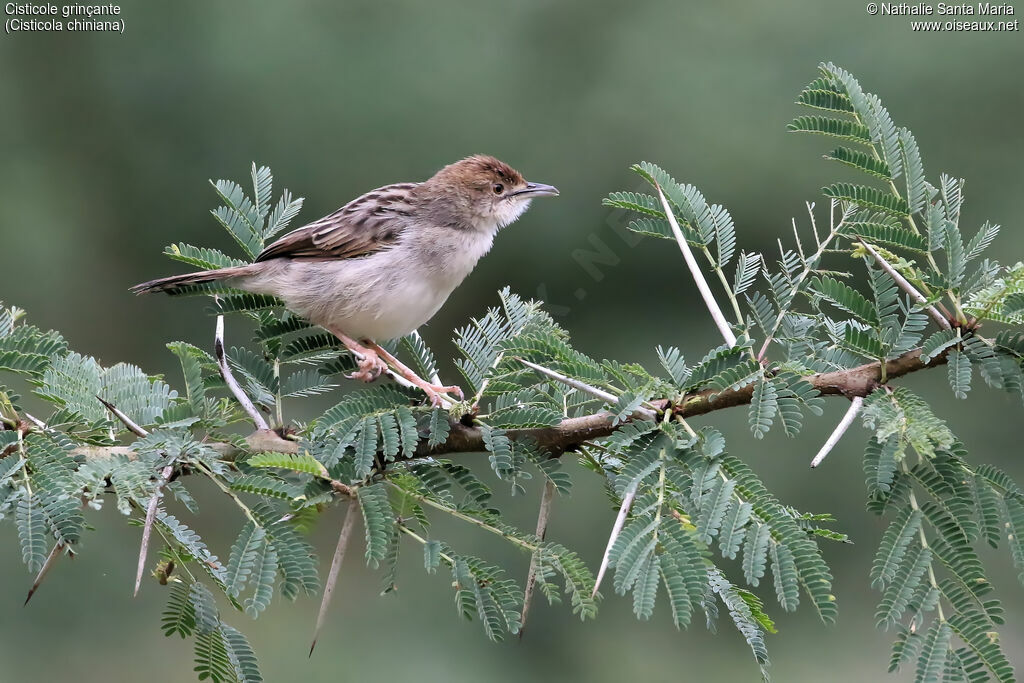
(542, 527)
(605, 396)
(620, 521)
(515, 540)
(332, 577)
(128, 422)
(698, 276)
(229, 379)
(448, 559)
(154, 501)
(905, 285)
(808, 266)
(44, 570)
(840, 429)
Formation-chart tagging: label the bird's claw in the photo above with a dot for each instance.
(370, 367)
(435, 391)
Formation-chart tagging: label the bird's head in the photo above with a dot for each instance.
(484, 192)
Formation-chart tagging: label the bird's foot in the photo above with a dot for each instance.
(435, 392)
(368, 362)
(370, 366)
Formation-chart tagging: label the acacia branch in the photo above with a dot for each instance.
(574, 431)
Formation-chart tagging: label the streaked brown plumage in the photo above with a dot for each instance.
(383, 264)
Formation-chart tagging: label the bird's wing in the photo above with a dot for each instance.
(363, 226)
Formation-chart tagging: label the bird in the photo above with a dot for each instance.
(382, 265)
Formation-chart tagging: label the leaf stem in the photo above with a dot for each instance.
(525, 545)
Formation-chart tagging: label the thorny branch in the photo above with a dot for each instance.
(574, 431)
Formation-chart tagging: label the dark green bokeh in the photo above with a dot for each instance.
(106, 142)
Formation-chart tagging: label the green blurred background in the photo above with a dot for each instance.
(106, 142)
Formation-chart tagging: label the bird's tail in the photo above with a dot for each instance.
(177, 283)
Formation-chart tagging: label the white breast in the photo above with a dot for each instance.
(379, 297)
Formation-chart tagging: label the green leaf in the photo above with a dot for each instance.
(956, 257)
(379, 521)
(212, 659)
(742, 616)
(981, 240)
(29, 518)
(264, 575)
(934, 650)
(763, 406)
(880, 463)
(1013, 511)
(938, 342)
(243, 659)
(635, 201)
(267, 486)
(845, 298)
(784, 575)
(880, 228)
(191, 359)
(431, 556)
(179, 616)
(838, 128)
(238, 216)
(900, 591)
(755, 552)
(827, 99)
(296, 462)
(713, 508)
(867, 197)
(734, 527)
(646, 587)
(296, 559)
(861, 161)
(201, 257)
(243, 557)
(747, 267)
(917, 193)
(863, 342)
(894, 545)
(439, 428)
(959, 371)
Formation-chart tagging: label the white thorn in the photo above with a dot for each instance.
(840, 429)
(620, 521)
(698, 276)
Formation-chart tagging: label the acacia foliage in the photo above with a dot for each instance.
(700, 531)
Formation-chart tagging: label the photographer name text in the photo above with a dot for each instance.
(923, 9)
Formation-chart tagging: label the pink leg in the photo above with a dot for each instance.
(370, 365)
(433, 391)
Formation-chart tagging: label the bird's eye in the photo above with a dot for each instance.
(498, 188)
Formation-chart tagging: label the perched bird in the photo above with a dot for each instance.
(383, 264)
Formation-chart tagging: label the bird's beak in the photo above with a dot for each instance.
(537, 190)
